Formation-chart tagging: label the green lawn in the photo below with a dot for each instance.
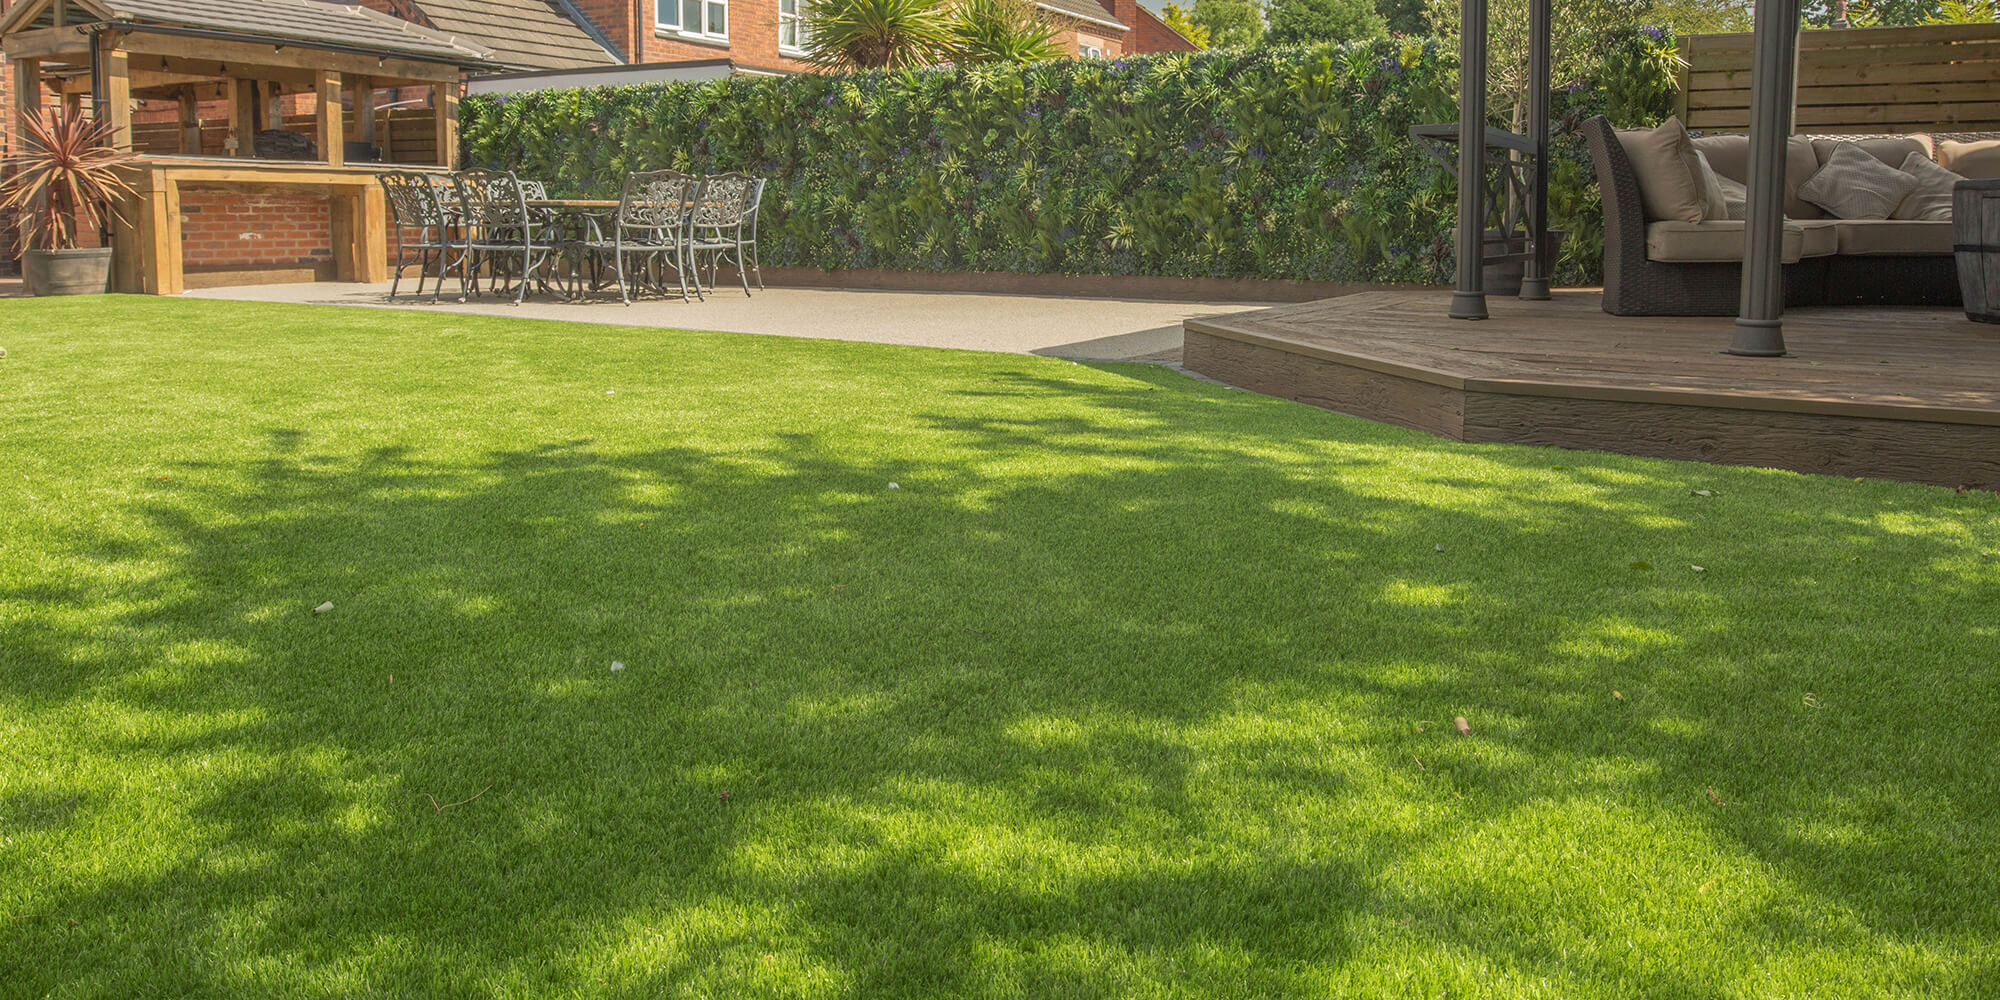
(1129, 685)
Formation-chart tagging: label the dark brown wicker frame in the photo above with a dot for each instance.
(1636, 286)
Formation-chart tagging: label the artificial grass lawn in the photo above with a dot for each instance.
(1131, 686)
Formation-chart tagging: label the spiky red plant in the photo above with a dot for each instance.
(65, 176)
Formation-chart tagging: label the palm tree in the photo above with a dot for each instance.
(871, 33)
(1002, 31)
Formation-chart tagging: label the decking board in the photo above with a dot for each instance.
(1899, 393)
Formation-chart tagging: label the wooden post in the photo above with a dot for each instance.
(117, 94)
(274, 104)
(332, 136)
(27, 89)
(242, 139)
(1760, 323)
(444, 97)
(190, 121)
(371, 234)
(364, 110)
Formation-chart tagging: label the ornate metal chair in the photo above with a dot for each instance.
(500, 230)
(421, 225)
(652, 227)
(726, 206)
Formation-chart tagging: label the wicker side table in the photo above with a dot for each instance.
(1975, 238)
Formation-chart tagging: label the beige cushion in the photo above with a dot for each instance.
(1720, 240)
(1713, 205)
(1669, 176)
(1730, 156)
(1980, 160)
(1818, 237)
(1856, 185)
(1930, 200)
(1735, 199)
(1892, 150)
(1875, 237)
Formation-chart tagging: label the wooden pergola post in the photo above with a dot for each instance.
(190, 120)
(444, 98)
(242, 118)
(115, 102)
(363, 125)
(332, 134)
(27, 90)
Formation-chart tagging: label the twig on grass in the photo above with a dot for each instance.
(451, 805)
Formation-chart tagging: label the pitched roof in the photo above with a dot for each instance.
(1085, 10)
(527, 34)
(307, 22)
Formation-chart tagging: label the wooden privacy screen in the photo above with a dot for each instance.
(1943, 78)
(405, 135)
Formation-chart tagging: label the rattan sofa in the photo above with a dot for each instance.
(1695, 269)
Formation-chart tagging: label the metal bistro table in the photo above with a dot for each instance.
(587, 218)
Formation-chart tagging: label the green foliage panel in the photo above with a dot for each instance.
(1275, 163)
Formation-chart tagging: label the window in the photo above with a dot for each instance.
(1089, 51)
(705, 18)
(791, 30)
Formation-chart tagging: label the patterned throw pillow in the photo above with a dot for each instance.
(1855, 185)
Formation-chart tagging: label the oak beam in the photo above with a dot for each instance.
(242, 126)
(332, 135)
(46, 43)
(254, 57)
(190, 120)
(444, 97)
(116, 106)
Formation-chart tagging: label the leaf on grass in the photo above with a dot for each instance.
(1698, 569)
(1464, 728)
(1811, 702)
(1701, 493)
(1705, 885)
(1437, 548)
(1620, 695)
(323, 608)
(1712, 797)
(616, 666)
(893, 486)
(1642, 564)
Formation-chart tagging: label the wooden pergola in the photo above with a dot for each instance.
(241, 57)
(1759, 330)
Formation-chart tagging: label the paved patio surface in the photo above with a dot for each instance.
(1079, 328)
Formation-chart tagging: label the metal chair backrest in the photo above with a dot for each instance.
(756, 202)
(657, 199)
(413, 199)
(534, 190)
(492, 199)
(723, 200)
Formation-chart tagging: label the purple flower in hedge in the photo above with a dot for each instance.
(1653, 32)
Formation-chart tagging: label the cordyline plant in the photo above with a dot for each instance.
(65, 175)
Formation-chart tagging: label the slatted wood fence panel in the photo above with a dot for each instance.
(1936, 78)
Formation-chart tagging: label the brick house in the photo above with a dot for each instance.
(765, 34)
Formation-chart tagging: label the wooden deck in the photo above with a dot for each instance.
(1910, 394)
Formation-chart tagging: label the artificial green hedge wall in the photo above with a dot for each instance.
(1277, 163)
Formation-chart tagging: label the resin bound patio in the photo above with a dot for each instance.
(1897, 393)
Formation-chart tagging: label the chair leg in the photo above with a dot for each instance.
(618, 261)
(755, 265)
(742, 273)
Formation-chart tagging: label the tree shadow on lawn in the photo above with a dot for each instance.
(1154, 698)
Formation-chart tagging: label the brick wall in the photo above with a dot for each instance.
(633, 30)
(233, 229)
(1148, 33)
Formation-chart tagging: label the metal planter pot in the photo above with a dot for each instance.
(82, 271)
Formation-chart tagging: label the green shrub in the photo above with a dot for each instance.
(1274, 163)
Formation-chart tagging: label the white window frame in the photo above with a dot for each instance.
(797, 17)
(661, 8)
(1085, 50)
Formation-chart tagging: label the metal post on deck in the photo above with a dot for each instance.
(1535, 272)
(1760, 327)
(1468, 301)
